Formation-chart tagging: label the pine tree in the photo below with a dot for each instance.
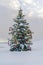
(21, 34)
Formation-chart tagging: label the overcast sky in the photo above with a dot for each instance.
(33, 9)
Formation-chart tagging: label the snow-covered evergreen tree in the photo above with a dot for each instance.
(21, 34)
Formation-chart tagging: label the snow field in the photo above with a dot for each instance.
(34, 57)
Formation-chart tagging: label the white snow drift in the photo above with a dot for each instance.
(34, 57)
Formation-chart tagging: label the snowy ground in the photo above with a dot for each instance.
(34, 57)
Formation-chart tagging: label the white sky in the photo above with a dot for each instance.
(33, 9)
